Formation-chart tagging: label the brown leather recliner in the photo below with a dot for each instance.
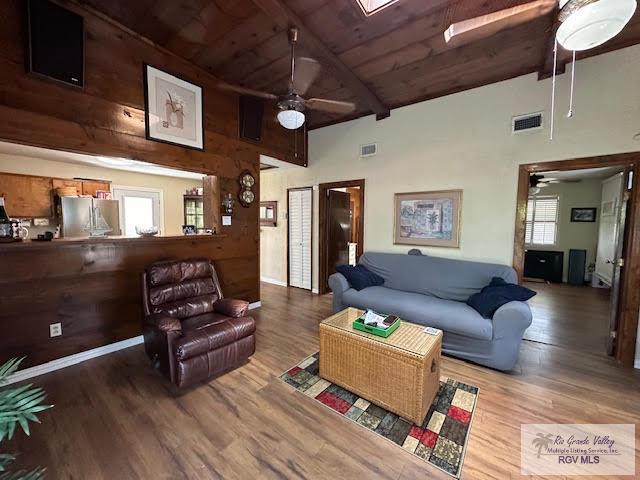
(192, 333)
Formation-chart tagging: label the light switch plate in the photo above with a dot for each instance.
(226, 220)
(55, 330)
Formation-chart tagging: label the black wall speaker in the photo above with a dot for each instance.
(251, 112)
(55, 42)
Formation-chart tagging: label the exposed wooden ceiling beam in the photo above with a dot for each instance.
(285, 16)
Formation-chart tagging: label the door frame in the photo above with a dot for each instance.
(323, 191)
(629, 304)
(160, 193)
(288, 239)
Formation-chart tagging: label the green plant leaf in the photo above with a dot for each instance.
(9, 367)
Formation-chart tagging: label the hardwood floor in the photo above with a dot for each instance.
(114, 417)
(570, 316)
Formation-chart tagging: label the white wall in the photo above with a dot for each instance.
(575, 235)
(464, 141)
(173, 188)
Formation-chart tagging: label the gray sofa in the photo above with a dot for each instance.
(432, 291)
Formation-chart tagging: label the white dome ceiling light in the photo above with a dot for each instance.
(590, 23)
(291, 119)
(586, 24)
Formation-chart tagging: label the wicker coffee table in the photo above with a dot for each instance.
(400, 373)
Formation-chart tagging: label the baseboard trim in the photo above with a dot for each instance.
(273, 281)
(253, 305)
(315, 290)
(74, 359)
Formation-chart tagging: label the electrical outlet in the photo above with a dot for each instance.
(55, 330)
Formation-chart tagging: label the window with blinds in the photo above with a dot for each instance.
(542, 220)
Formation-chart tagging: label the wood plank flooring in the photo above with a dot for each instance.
(570, 316)
(114, 417)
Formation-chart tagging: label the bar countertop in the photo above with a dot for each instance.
(28, 243)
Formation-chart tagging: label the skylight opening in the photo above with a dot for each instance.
(370, 7)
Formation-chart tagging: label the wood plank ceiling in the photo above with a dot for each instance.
(399, 54)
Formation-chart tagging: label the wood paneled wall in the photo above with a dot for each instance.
(93, 289)
(107, 116)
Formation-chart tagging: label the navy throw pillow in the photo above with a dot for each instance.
(360, 277)
(496, 294)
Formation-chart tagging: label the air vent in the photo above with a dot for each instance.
(522, 123)
(368, 150)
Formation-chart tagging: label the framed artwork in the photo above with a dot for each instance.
(428, 218)
(268, 214)
(583, 214)
(173, 109)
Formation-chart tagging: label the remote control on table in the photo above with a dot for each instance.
(432, 331)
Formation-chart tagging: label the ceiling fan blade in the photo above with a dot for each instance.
(305, 72)
(331, 106)
(486, 25)
(247, 91)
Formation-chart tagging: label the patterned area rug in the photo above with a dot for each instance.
(441, 440)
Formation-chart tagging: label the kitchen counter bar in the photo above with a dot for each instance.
(92, 287)
(58, 242)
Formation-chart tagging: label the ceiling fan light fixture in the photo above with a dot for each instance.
(291, 119)
(589, 24)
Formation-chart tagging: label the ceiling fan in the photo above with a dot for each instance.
(304, 71)
(584, 24)
(536, 182)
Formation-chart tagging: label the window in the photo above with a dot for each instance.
(369, 7)
(542, 221)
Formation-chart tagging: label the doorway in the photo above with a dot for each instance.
(139, 207)
(300, 219)
(577, 243)
(341, 227)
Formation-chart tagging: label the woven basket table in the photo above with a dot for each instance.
(400, 373)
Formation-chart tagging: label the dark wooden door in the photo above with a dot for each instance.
(339, 230)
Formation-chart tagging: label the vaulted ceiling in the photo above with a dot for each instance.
(393, 58)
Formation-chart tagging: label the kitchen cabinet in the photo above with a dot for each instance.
(90, 187)
(26, 196)
(63, 182)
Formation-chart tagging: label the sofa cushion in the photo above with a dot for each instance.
(496, 294)
(360, 277)
(436, 276)
(447, 315)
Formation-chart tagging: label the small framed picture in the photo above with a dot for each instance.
(583, 214)
(173, 109)
(189, 229)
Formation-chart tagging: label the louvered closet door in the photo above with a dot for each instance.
(300, 238)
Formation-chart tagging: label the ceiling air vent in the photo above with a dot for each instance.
(522, 123)
(368, 150)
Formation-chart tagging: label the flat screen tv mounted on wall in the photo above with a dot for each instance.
(55, 38)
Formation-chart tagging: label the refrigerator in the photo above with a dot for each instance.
(81, 213)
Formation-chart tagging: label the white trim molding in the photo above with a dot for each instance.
(74, 359)
(273, 281)
(253, 305)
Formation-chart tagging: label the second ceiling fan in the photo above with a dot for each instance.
(304, 71)
(583, 24)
